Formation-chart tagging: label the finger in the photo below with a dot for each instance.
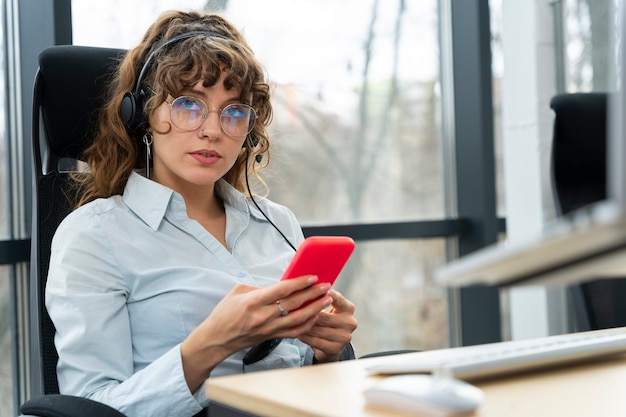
(341, 334)
(327, 344)
(308, 295)
(325, 349)
(293, 306)
(336, 322)
(297, 330)
(340, 303)
(286, 287)
(281, 310)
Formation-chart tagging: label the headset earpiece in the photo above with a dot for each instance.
(131, 111)
(128, 108)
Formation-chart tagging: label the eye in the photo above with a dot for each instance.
(237, 111)
(188, 104)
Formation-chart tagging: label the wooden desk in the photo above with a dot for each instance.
(335, 390)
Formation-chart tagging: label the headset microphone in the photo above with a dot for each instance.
(250, 143)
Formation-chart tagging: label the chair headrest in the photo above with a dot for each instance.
(579, 149)
(581, 117)
(72, 81)
(580, 134)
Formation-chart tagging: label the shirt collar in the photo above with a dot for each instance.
(150, 200)
(147, 199)
(235, 199)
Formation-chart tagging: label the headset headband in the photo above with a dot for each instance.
(165, 44)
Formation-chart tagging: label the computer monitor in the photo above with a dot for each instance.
(583, 244)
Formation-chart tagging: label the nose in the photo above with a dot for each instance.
(211, 127)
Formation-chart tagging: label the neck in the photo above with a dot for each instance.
(198, 198)
(203, 202)
(208, 209)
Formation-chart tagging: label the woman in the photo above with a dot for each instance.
(165, 274)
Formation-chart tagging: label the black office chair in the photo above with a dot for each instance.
(67, 96)
(579, 152)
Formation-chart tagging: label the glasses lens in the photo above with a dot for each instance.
(237, 119)
(188, 113)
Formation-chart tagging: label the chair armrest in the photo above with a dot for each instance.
(58, 405)
(387, 352)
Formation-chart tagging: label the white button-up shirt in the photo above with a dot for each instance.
(131, 276)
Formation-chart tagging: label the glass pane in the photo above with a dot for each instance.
(589, 29)
(4, 156)
(398, 303)
(6, 369)
(497, 67)
(357, 105)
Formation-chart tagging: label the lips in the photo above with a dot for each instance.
(206, 157)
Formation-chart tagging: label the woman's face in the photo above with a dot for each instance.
(188, 160)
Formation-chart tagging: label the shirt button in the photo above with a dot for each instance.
(241, 274)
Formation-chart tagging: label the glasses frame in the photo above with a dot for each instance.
(207, 110)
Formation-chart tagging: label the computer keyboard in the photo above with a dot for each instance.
(494, 359)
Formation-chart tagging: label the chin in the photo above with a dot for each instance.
(202, 180)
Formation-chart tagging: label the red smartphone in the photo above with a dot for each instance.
(324, 256)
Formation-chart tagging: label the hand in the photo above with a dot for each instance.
(249, 315)
(333, 329)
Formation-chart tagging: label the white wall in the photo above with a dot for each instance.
(529, 84)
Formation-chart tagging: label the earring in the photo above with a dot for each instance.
(147, 140)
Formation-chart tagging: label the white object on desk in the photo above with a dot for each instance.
(508, 357)
(424, 395)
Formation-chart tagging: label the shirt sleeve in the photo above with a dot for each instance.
(86, 298)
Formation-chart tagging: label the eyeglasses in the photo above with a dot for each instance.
(188, 113)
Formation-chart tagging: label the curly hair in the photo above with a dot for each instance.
(117, 150)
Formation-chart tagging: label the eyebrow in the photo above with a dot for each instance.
(203, 95)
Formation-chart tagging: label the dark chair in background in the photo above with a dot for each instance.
(67, 96)
(579, 152)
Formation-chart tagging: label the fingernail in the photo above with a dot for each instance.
(312, 279)
(324, 288)
(327, 301)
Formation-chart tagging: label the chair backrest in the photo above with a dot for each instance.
(579, 149)
(68, 93)
(579, 152)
